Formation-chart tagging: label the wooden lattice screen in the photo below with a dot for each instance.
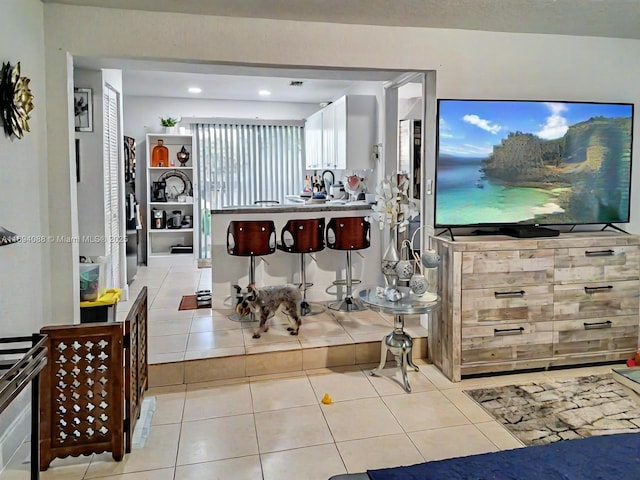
(135, 327)
(93, 386)
(82, 404)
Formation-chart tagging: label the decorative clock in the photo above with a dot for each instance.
(16, 100)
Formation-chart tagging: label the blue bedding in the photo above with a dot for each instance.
(605, 457)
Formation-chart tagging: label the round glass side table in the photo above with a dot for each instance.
(398, 342)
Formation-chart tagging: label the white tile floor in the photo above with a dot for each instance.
(276, 428)
(206, 333)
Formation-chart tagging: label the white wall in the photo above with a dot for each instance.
(24, 267)
(142, 114)
(90, 188)
(91, 184)
(468, 64)
(25, 299)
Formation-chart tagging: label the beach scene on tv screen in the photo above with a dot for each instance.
(531, 162)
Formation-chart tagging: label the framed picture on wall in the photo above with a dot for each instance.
(83, 109)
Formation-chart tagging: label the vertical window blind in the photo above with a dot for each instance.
(243, 162)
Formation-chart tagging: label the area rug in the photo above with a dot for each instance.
(543, 412)
(606, 457)
(190, 302)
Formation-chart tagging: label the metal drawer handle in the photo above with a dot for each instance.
(498, 332)
(597, 289)
(599, 253)
(509, 294)
(596, 325)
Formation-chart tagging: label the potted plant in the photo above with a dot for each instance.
(169, 124)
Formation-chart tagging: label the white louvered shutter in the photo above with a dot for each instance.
(111, 184)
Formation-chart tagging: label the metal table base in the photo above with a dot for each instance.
(398, 342)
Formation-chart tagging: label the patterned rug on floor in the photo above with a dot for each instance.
(545, 412)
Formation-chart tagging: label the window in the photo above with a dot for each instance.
(241, 162)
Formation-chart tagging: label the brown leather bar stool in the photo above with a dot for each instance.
(250, 238)
(303, 236)
(348, 234)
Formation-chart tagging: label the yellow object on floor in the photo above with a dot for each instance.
(109, 297)
(326, 399)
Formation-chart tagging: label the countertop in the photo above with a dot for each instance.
(296, 207)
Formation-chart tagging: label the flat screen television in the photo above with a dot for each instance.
(506, 162)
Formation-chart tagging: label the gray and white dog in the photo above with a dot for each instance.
(266, 301)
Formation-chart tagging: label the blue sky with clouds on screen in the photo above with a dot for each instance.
(471, 128)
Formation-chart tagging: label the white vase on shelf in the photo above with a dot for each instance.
(390, 260)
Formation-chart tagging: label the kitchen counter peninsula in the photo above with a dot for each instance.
(322, 268)
(295, 207)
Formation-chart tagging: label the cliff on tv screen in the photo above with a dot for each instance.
(530, 162)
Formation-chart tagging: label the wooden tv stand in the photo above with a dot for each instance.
(512, 304)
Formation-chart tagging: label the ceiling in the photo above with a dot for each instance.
(242, 83)
(237, 82)
(605, 18)
(234, 87)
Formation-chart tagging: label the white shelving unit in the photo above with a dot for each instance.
(161, 240)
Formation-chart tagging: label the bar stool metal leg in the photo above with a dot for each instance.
(252, 270)
(348, 303)
(251, 317)
(306, 309)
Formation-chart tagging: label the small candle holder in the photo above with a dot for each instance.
(183, 156)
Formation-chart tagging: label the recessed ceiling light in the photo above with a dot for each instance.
(195, 90)
(264, 93)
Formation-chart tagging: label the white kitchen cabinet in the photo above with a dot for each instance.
(339, 139)
(328, 137)
(166, 242)
(341, 135)
(313, 142)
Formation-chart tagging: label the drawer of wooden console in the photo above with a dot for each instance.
(596, 299)
(507, 342)
(597, 263)
(521, 303)
(503, 268)
(595, 335)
